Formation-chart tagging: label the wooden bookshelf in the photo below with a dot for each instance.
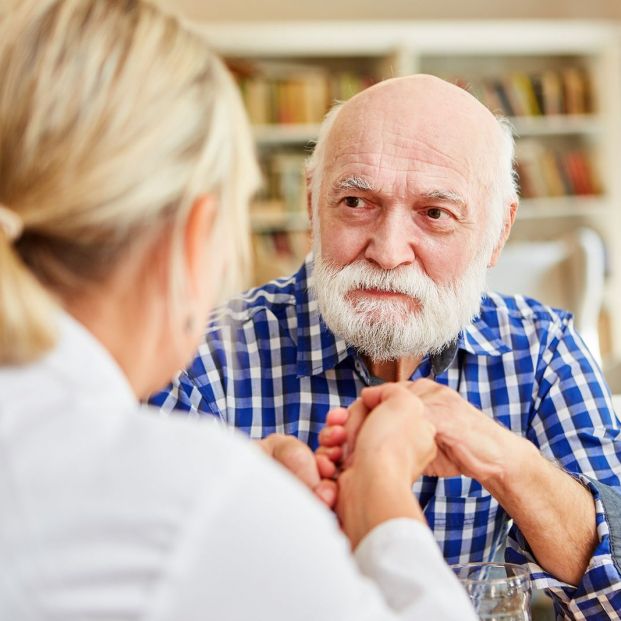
(559, 125)
(562, 207)
(559, 84)
(267, 222)
(293, 134)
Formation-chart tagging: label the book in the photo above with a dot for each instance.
(523, 86)
(552, 93)
(575, 90)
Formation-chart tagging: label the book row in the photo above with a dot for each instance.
(281, 94)
(552, 92)
(544, 171)
(292, 94)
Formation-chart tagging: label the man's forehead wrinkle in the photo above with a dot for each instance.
(381, 146)
(372, 166)
(370, 170)
(403, 161)
(398, 146)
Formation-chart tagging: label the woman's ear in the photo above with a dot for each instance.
(199, 240)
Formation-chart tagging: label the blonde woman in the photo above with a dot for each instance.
(125, 168)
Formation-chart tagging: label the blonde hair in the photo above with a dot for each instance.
(114, 118)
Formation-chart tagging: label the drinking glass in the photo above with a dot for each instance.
(498, 591)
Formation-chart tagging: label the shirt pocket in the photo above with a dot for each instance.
(468, 528)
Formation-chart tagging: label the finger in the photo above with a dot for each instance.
(325, 466)
(356, 414)
(332, 436)
(333, 453)
(425, 387)
(470, 463)
(399, 395)
(441, 466)
(372, 396)
(337, 416)
(265, 444)
(298, 459)
(326, 491)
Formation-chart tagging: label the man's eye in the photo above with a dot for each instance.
(353, 201)
(435, 213)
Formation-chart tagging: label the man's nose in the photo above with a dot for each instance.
(392, 241)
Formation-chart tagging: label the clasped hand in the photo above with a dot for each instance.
(400, 430)
(386, 425)
(468, 442)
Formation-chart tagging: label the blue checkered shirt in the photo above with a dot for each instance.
(269, 364)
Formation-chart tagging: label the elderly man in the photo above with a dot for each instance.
(412, 197)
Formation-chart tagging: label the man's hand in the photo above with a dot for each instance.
(534, 492)
(315, 472)
(469, 442)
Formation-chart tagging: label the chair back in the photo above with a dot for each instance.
(567, 273)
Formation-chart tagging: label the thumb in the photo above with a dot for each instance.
(299, 460)
(326, 491)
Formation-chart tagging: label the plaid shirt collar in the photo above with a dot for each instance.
(319, 350)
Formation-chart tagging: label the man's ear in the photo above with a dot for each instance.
(309, 198)
(506, 229)
(199, 228)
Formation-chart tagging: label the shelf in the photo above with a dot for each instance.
(294, 134)
(266, 222)
(460, 37)
(561, 125)
(524, 126)
(562, 207)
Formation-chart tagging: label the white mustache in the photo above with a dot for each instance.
(409, 281)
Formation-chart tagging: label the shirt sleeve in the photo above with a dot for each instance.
(271, 551)
(183, 394)
(410, 571)
(573, 423)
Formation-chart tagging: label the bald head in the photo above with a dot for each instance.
(424, 95)
(419, 105)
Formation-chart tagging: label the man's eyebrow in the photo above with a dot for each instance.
(448, 196)
(353, 183)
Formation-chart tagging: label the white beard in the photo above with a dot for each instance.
(389, 329)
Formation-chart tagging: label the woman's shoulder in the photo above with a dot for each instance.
(102, 495)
